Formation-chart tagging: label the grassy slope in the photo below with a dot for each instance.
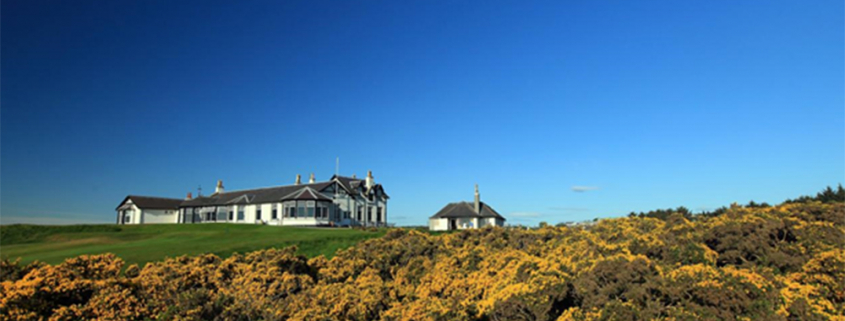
(145, 243)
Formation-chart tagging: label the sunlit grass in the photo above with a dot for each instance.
(145, 243)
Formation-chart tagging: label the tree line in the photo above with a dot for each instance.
(828, 195)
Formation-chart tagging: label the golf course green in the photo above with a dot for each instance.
(145, 243)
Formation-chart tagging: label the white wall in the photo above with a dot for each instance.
(135, 215)
(467, 223)
(266, 212)
(438, 224)
(249, 214)
(304, 221)
(148, 216)
(159, 216)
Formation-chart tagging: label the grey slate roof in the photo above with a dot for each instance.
(352, 184)
(348, 182)
(306, 193)
(466, 209)
(149, 202)
(259, 195)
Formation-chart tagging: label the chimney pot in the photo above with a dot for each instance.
(370, 182)
(219, 188)
(477, 200)
(189, 196)
(312, 180)
(298, 180)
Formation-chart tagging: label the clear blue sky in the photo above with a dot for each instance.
(650, 104)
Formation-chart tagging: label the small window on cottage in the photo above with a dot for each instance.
(240, 213)
(258, 213)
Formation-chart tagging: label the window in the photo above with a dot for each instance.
(231, 215)
(322, 212)
(275, 212)
(258, 212)
(360, 213)
(309, 206)
(378, 214)
(240, 213)
(369, 214)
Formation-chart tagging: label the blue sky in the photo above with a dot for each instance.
(649, 104)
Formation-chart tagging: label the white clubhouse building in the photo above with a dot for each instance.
(340, 201)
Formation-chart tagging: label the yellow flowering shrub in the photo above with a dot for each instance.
(749, 263)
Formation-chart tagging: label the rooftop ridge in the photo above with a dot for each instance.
(158, 197)
(268, 187)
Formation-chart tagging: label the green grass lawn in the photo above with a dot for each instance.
(144, 243)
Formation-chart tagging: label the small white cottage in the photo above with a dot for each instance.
(465, 215)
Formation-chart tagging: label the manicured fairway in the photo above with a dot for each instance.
(145, 243)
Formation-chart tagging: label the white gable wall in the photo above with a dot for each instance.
(438, 224)
(159, 216)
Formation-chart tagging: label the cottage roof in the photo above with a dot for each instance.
(466, 209)
(149, 202)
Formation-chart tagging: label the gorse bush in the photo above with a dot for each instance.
(783, 262)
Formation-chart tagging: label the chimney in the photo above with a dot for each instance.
(353, 176)
(219, 188)
(189, 197)
(312, 180)
(477, 200)
(298, 180)
(369, 182)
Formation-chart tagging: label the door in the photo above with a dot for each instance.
(453, 225)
